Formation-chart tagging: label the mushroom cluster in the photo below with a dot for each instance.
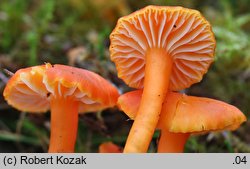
(160, 49)
(65, 91)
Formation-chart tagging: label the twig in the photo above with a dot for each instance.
(3, 78)
(8, 72)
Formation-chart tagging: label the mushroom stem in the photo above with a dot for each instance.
(63, 124)
(157, 74)
(172, 142)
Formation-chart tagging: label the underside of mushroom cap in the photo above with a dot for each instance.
(93, 91)
(188, 114)
(25, 90)
(30, 89)
(184, 33)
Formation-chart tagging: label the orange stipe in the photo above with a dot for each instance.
(64, 124)
(172, 142)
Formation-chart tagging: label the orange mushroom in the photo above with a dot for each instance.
(183, 115)
(159, 49)
(66, 91)
(109, 147)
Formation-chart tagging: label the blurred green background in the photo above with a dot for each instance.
(76, 33)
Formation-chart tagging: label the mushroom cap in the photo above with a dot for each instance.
(200, 114)
(129, 103)
(188, 114)
(184, 33)
(30, 89)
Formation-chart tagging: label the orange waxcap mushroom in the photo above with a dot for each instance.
(66, 91)
(200, 114)
(188, 114)
(194, 115)
(183, 115)
(109, 147)
(159, 49)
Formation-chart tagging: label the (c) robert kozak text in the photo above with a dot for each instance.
(60, 159)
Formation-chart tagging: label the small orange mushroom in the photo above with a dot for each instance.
(109, 147)
(66, 91)
(159, 49)
(183, 115)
